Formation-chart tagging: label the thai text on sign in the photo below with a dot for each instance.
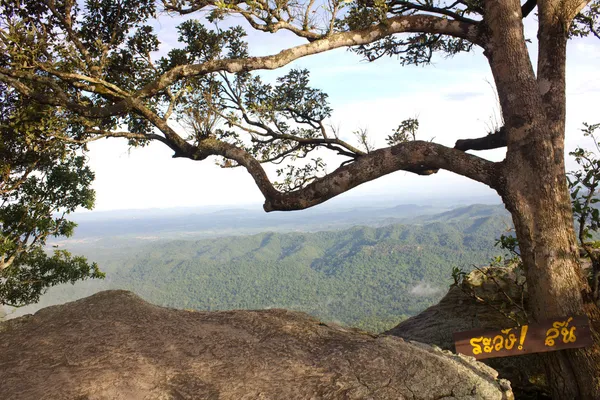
(548, 335)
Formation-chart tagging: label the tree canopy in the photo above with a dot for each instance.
(97, 61)
(42, 180)
(95, 64)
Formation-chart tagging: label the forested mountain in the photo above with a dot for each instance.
(365, 277)
(461, 214)
(368, 277)
(116, 228)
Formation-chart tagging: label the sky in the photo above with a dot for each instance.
(453, 99)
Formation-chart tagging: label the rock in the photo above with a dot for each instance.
(114, 345)
(458, 312)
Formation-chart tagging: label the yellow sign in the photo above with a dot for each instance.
(549, 335)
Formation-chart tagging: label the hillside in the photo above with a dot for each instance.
(365, 277)
(115, 228)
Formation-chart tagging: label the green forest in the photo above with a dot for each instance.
(370, 277)
(364, 277)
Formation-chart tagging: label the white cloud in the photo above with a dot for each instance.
(425, 289)
(149, 178)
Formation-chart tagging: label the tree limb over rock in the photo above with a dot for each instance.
(420, 157)
(494, 140)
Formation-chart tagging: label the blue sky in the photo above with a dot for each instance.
(453, 98)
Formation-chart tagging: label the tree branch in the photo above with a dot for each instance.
(528, 7)
(93, 83)
(400, 24)
(492, 141)
(279, 25)
(102, 134)
(172, 138)
(419, 157)
(60, 98)
(415, 156)
(173, 6)
(429, 8)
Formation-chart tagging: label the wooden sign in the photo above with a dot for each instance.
(548, 335)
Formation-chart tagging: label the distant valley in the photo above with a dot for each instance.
(364, 276)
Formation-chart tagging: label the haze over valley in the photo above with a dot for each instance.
(356, 265)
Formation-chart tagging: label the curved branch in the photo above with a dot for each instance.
(60, 98)
(93, 82)
(103, 134)
(279, 25)
(172, 138)
(417, 156)
(172, 6)
(400, 24)
(420, 157)
(528, 7)
(429, 8)
(494, 140)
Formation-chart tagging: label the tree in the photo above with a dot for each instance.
(42, 180)
(95, 62)
(583, 185)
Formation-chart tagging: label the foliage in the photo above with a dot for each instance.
(93, 60)
(406, 131)
(43, 180)
(510, 243)
(34, 272)
(458, 275)
(583, 184)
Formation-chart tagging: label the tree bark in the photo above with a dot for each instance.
(531, 180)
(534, 189)
(555, 283)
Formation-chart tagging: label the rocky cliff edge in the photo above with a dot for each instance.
(114, 345)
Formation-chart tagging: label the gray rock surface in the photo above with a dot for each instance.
(458, 312)
(114, 345)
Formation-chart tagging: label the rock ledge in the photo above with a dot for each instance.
(114, 345)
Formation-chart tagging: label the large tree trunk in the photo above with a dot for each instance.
(539, 205)
(534, 183)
